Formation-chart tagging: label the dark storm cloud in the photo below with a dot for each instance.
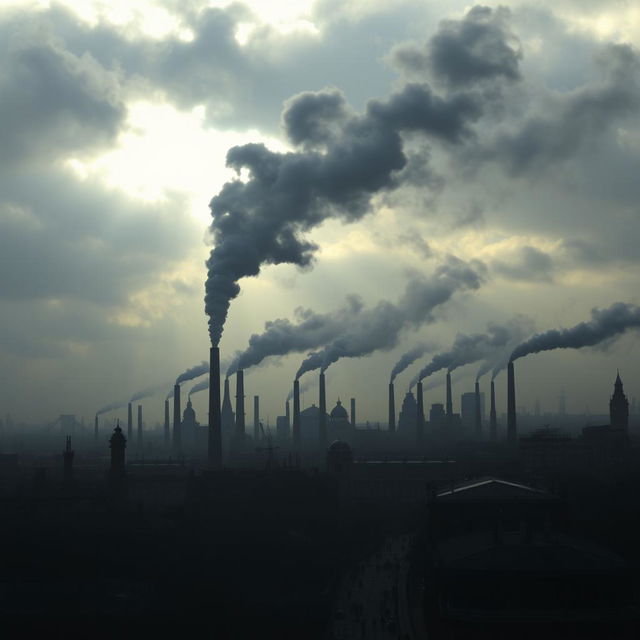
(568, 122)
(527, 264)
(52, 102)
(479, 47)
(381, 327)
(605, 324)
(261, 221)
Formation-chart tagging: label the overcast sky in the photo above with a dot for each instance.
(489, 153)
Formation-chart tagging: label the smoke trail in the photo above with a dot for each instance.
(381, 327)
(199, 386)
(145, 393)
(111, 407)
(304, 386)
(409, 358)
(605, 324)
(281, 336)
(467, 349)
(193, 372)
(343, 160)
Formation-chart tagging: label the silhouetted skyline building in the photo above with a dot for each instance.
(619, 406)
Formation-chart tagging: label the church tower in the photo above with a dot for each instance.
(619, 407)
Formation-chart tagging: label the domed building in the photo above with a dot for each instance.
(309, 434)
(339, 457)
(408, 416)
(339, 425)
(189, 427)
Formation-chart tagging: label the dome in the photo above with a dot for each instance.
(189, 412)
(339, 412)
(339, 456)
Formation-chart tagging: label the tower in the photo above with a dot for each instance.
(139, 440)
(117, 443)
(322, 416)
(177, 440)
(214, 443)
(352, 417)
(129, 422)
(449, 405)
(478, 412)
(256, 418)
(167, 427)
(619, 406)
(512, 434)
(227, 417)
(296, 414)
(240, 425)
(419, 414)
(493, 420)
(392, 408)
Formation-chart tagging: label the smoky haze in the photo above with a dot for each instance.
(605, 324)
(381, 327)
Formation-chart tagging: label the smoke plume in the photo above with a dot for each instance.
(380, 327)
(304, 386)
(467, 349)
(199, 386)
(193, 372)
(145, 393)
(605, 324)
(409, 358)
(343, 160)
(111, 407)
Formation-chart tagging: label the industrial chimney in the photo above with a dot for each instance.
(240, 426)
(353, 413)
(322, 416)
(177, 441)
(419, 415)
(129, 423)
(139, 441)
(296, 415)
(215, 416)
(256, 418)
(167, 428)
(478, 412)
(511, 405)
(287, 414)
(449, 407)
(493, 420)
(392, 408)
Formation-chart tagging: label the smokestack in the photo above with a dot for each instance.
(95, 429)
(353, 413)
(167, 428)
(296, 415)
(129, 424)
(449, 400)
(392, 408)
(511, 405)
(240, 430)
(322, 416)
(287, 413)
(256, 418)
(478, 413)
(493, 421)
(139, 443)
(177, 441)
(419, 414)
(215, 419)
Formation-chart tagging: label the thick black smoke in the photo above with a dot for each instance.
(467, 349)
(605, 324)
(381, 327)
(345, 159)
(409, 358)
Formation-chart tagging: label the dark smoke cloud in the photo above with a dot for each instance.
(409, 358)
(477, 48)
(467, 349)
(381, 327)
(345, 159)
(605, 324)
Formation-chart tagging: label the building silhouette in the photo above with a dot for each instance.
(619, 406)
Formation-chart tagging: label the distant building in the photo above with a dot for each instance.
(619, 406)
(339, 424)
(468, 409)
(408, 416)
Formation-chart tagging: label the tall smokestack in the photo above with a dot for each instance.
(129, 424)
(392, 408)
(478, 412)
(322, 416)
(287, 413)
(353, 413)
(167, 428)
(240, 430)
(256, 418)
(449, 398)
(296, 415)
(139, 441)
(177, 440)
(511, 405)
(419, 415)
(493, 420)
(215, 420)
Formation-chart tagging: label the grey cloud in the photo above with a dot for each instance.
(527, 264)
(479, 47)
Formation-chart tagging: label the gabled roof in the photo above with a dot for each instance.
(491, 489)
